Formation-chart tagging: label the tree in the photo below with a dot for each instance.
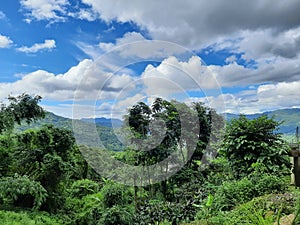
(21, 108)
(50, 156)
(254, 141)
(169, 127)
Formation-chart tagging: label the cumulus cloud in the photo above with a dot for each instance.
(5, 41)
(261, 45)
(266, 97)
(82, 82)
(277, 70)
(194, 23)
(174, 76)
(52, 10)
(48, 44)
(84, 14)
(133, 47)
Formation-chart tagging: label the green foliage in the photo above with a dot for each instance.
(112, 205)
(55, 177)
(21, 108)
(49, 156)
(155, 211)
(116, 194)
(251, 141)
(21, 191)
(117, 214)
(86, 210)
(27, 218)
(107, 135)
(81, 188)
(7, 144)
(233, 193)
(265, 183)
(236, 192)
(165, 128)
(263, 210)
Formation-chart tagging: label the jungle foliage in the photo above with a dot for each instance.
(45, 177)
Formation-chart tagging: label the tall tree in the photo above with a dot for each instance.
(50, 156)
(250, 141)
(168, 127)
(21, 108)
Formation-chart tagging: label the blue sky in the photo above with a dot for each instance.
(96, 58)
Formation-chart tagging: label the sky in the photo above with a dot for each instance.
(96, 58)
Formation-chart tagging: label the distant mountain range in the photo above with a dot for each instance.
(111, 123)
(290, 119)
(108, 129)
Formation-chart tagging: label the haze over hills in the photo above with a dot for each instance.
(107, 128)
(105, 131)
(102, 121)
(290, 119)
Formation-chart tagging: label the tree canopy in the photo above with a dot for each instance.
(254, 141)
(21, 108)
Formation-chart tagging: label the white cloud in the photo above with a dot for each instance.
(174, 76)
(133, 46)
(264, 98)
(48, 44)
(86, 81)
(52, 10)
(231, 59)
(278, 70)
(5, 41)
(2, 15)
(194, 23)
(262, 45)
(84, 14)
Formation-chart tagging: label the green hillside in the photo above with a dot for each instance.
(106, 134)
(290, 119)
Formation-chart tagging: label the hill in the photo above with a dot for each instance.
(107, 128)
(290, 119)
(111, 123)
(106, 133)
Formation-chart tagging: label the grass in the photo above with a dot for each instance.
(27, 218)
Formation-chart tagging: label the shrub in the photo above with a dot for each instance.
(117, 215)
(250, 141)
(28, 218)
(86, 211)
(236, 192)
(232, 193)
(155, 211)
(22, 191)
(116, 194)
(81, 188)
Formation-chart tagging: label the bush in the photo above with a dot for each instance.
(81, 188)
(255, 141)
(112, 205)
(155, 211)
(21, 191)
(260, 210)
(117, 215)
(85, 211)
(233, 193)
(116, 194)
(21, 218)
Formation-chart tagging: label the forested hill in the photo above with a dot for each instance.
(289, 117)
(105, 131)
(112, 123)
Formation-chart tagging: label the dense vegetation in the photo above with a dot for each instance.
(233, 175)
